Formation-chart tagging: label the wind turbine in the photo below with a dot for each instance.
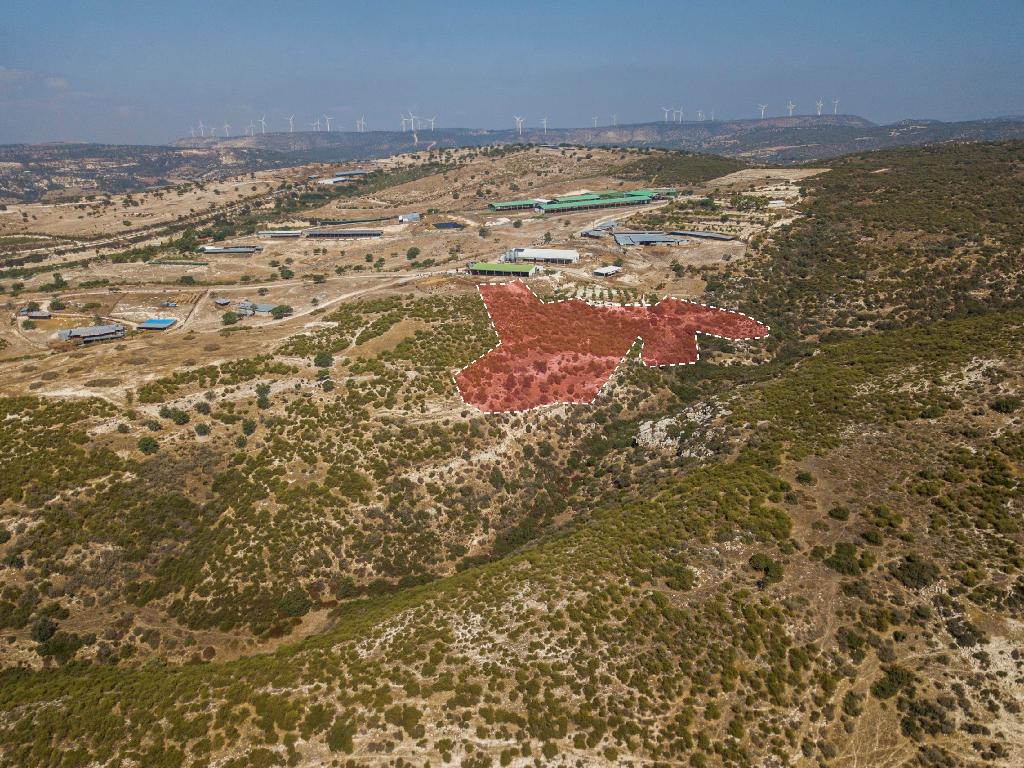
(763, 108)
(615, 120)
(835, 106)
(226, 129)
(192, 130)
(291, 124)
(412, 125)
(712, 115)
(315, 125)
(404, 121)
(361, 125)
(680, 111)
(595, 121)
(252, 128)
(544, 122)
(202, 128)
(666, 110)
(791, 106)
(328, 119)
(431, 121)
(519, 124)
(818, 105)
(263, 124)
(700, 115)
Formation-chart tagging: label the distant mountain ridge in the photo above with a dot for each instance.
(771, 140)
(31, 172)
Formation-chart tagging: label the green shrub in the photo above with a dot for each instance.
(916, 572)
(1005, 404)
(295, 603)
(892, 682)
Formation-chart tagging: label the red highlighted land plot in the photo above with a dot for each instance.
(566, 351)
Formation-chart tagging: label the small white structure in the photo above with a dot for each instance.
(776, 203)
(542, 255)
(608, 271)
(406, 218)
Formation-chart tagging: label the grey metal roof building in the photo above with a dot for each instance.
(543, 255)
(91, 333)
(343, 222)
(230, 248)
(448, 225)
(247, 306)
(646, 238)
(280, 233)
(704, 235)
(345, 233)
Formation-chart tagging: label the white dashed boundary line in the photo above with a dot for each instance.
(618, 365)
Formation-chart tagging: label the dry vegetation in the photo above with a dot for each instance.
(804, 551)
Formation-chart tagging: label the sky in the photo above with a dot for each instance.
(148, 72)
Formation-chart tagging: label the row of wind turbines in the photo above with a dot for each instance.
(415, 123)
(211, 131)
(676, 114)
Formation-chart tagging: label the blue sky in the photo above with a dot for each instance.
(147, 71)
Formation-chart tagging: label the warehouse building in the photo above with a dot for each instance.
(503, 269)
(646, 238)
(247, 307)
(541, 255)
(702, 235)
(280, 233)
(407, 218)
(157, 324)
(344, 233)
(92, 333)
(344, 222)
(608, 271)
(515, 205)
(580, 198)
(241, 249)
(603, 201)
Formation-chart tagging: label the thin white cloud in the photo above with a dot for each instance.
(27, 82)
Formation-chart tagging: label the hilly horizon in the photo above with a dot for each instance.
(616, 443)
(60, 171)
(781, 140)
